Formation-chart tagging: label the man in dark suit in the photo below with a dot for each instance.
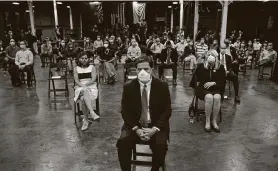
(146, 109)
(230, 50)
(227, 61)
(168, 58)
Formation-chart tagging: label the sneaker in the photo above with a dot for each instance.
(94, 116)
(237, 99)
(85, 125)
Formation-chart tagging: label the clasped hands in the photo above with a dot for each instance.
(145, 134)
(209, 84)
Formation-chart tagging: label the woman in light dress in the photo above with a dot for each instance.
(86, 87)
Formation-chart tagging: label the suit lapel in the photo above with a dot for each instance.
(152, 94)
(137, 95)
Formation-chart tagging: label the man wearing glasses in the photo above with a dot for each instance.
(11, 51)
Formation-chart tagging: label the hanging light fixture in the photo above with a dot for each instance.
(59, 3)
(175, 3)
(169, 6)
(15, 3)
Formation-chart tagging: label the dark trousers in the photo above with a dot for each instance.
(15, 72)
(44, 57)
(234, 78)
(127, 141)
(10, 62)
(155, 57)
(173, 66)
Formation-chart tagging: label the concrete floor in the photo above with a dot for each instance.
(37, 134)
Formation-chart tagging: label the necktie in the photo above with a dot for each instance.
(168, 56)
(144, 114)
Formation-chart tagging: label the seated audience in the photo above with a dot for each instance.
(156, 49)
(226, 61)
(133, 52)
(46, 52)
(23, 62)
(180, 47)
(11, 51)
(106, 58)
(169, 59)
(71, 55)
(201, 48)
(143, 122)
(211, 78)
(267, 58)
(189, 55)
(86, 87)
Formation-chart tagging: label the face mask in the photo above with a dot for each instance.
(12, 43)
(98, 38)
(72, 41)
(87, 40)
(143, 76)
(22, 46)
(63, 44)
(105, 45)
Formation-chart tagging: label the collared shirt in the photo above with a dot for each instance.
(155, 48)
(228, 51)
(269, 55)
(24, 56)
(148, 89)
(180, 46)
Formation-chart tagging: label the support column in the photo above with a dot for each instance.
(181, 14)
(172, 19)
(31, 15)
(55, 13)
(81, 26)
(224, 21)
(123, 13)
(70, 17)
(196, 20)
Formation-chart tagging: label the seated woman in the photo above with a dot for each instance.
(106, 58)
(189, 55)
(86, 88)
(71, 55)
(211, 78)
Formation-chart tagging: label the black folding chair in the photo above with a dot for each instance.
(63, 77)
(136, 154)
(77, 109)
(129, 71)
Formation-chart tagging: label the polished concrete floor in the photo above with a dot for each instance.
(39, 134)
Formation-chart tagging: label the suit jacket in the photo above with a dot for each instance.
(233, 53)
(159, 104)
(173, 56)
(229, 61)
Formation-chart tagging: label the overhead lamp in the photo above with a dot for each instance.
(175, 3)
(33, 6)
(15, 3)
(94, 3)
(169, 6)
(68, 6)
(59, 3)
(27, 11)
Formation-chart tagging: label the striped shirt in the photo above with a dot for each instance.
(201, 49)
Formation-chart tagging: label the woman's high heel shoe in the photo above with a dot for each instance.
(207, 129)
(215, 129)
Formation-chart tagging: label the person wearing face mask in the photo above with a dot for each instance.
(169, 59)
(232, 52)
(98, 43)
(190, 56)
(114, 48)
(24, 62)
(169, 40)
(86, 87)
(215, 45)
(226, 61)
(71, 55)
(2, 58)
(106, 68)
(180, 47)
(156, 49)
(46, 51)
(146, 110)
(133, 52)
(11, 51)
(89, 47)
(211, 78)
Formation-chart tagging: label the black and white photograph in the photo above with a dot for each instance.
(180, 85)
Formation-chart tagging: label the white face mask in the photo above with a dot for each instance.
(143, 76)
(105, 45)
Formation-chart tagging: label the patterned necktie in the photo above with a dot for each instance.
(144, 102)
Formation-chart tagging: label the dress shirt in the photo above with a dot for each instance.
(228, 51)
(148, 89)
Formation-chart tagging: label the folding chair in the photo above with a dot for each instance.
(23, 76)
(135, 154)
(271, 71)
(52, 78)
(77, 109)
(185, 66)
